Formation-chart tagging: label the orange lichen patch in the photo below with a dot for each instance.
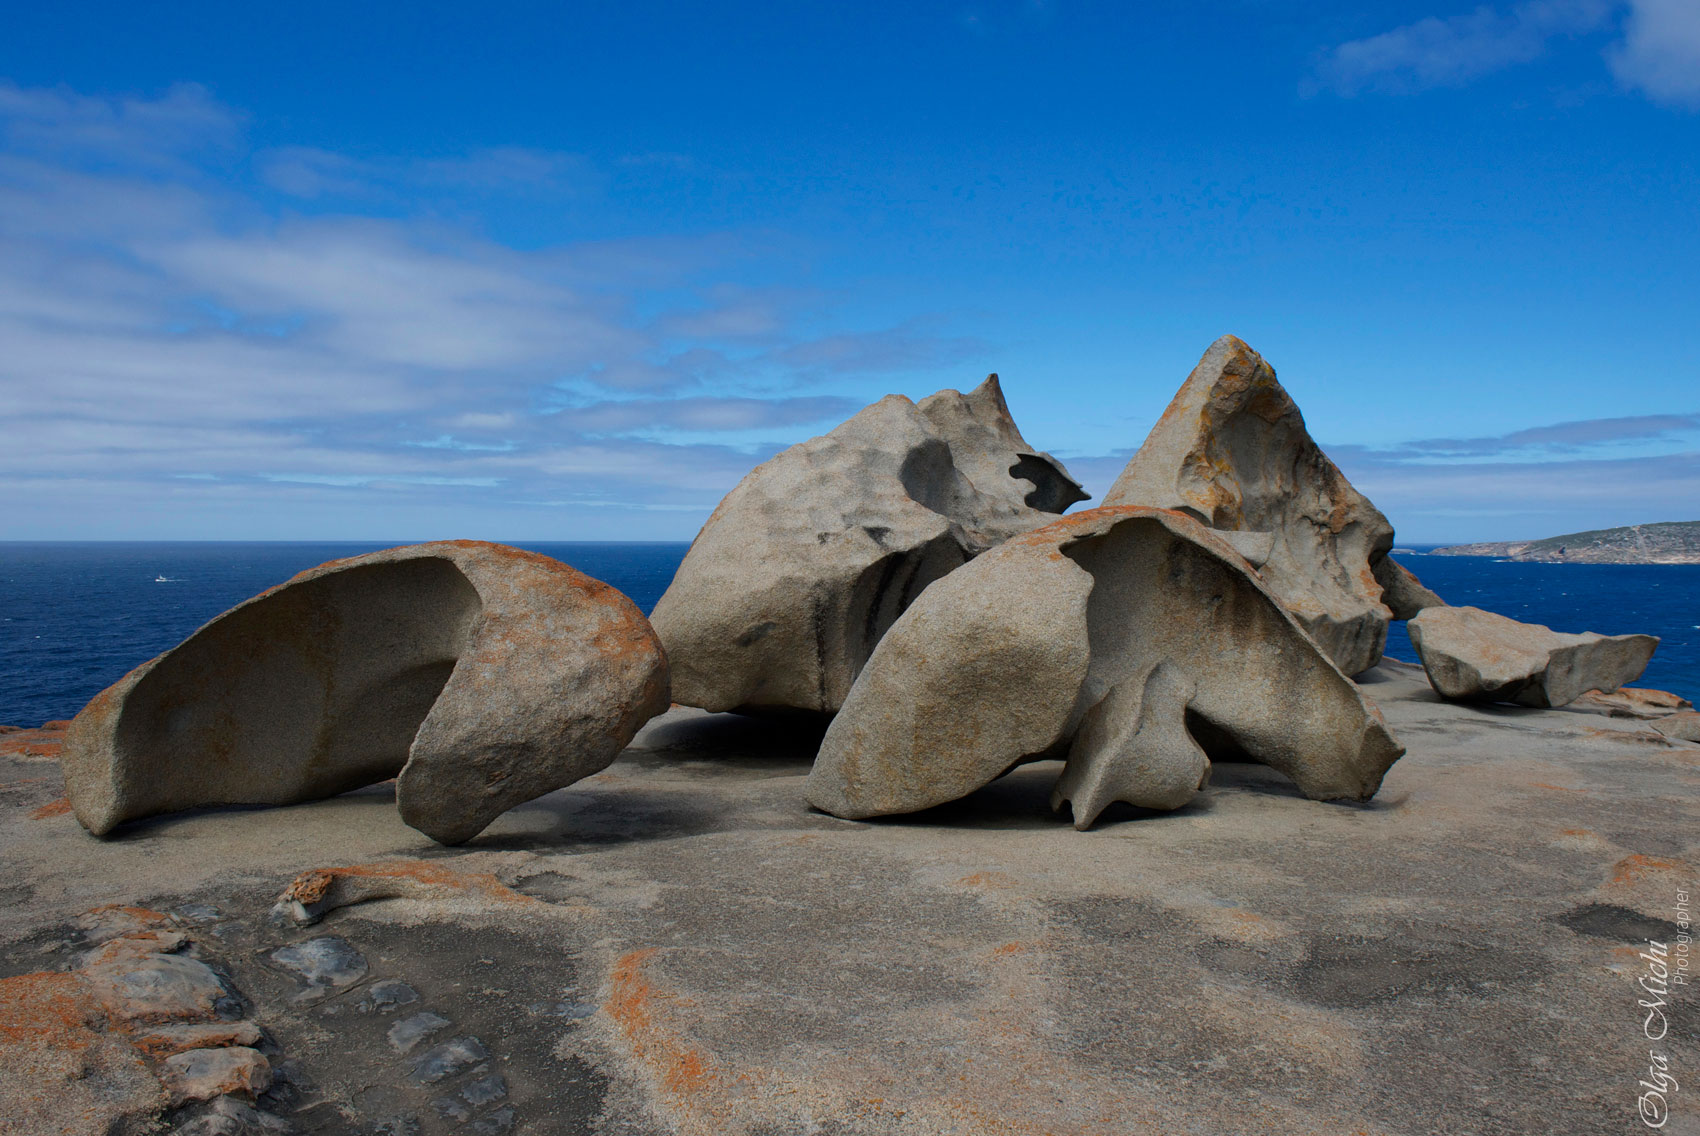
(139, 916)
(314, 885)
(39, 744)
(212, 1035)
(1011, 948)
(1632, 701)
(987, 880)
(637, 1007)
(1635, 869)
(47, 1010)
(52, 809)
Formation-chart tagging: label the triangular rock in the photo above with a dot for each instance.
(1233, 451)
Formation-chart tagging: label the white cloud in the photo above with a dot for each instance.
(1659, 52)
(706, 415)
(176, 352)
(1448, 52)
(147, 131)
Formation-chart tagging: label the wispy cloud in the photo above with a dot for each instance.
(310, 172)
(1560, 438)
(1596, 472)
(705, 415)
(146, 132)
(1658, 52)
(178, 349)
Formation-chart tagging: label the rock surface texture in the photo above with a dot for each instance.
(807, 562)
(479, 676)
(1403, 594)
(1477, 656)
(1233, 451)
(1133, 640)
(675, 946)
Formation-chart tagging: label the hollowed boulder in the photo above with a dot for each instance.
(1134, 641)
(477, 675)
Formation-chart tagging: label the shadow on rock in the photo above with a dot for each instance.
(764, 744)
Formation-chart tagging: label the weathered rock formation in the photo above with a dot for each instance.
(1134, 640)
(139, 1025)
(1477, 656)
(479, 676)
(808, 561)
(1684, 726)
(1233, 451)
(1401, 592)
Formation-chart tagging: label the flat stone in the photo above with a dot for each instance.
(410, 1031)
(452, 1108)
(447, 1059)
(226, 1116)
(1684, 726)
(1473, 655)
(202, 1074)
(197, 913)
(478, 676)
(485, 1089)
(162, 1041)
(497, 1121)
(325, 961)
(1633, 702)
(387, 996)
(145, 987)
(397, 1126)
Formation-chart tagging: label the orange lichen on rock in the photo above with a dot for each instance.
(1636, 869)
(310, 886)
(47, 1009)
(166, 1041)
(314, 892)
(51, 809)
(41, 744)
(636, 1006)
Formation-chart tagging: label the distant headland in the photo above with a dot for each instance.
(1669, 542)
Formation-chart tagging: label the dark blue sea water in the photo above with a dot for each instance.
(75, 617)
(1612, 599)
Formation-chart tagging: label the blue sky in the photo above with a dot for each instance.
(550, 272)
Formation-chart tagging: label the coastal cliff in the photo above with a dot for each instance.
(1670, 542)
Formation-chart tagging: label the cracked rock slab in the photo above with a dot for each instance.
(1232, 450)
(202, 1074)
(805, 564)
(477, 675)
(327, 961)
(446, 1060)
(1134, 641)
(1473, 655)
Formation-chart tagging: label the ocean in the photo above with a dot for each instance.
(74, 617)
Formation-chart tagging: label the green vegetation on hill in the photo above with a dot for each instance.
(1668, 542)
